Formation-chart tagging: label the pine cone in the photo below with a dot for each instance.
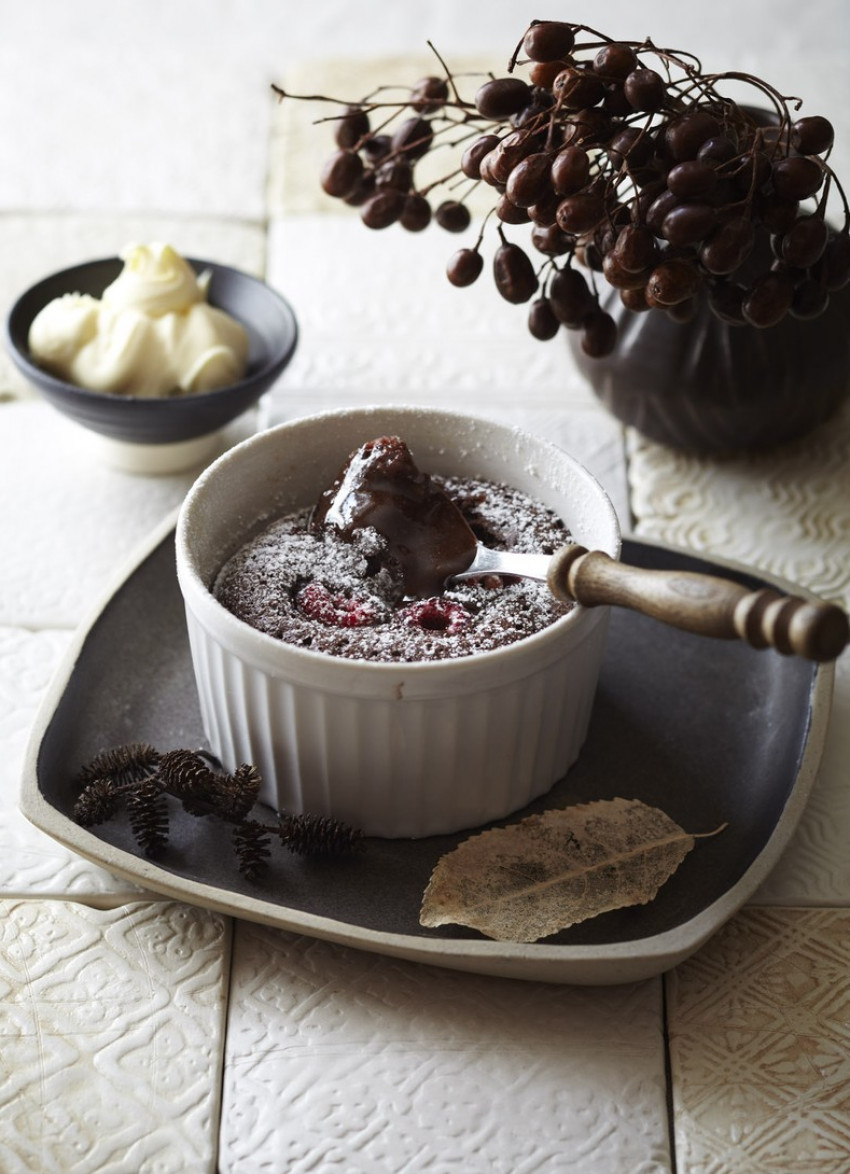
(121, 764)
(96, 804)
(188, 777)
(148, 815)
(251, 841)
(318, 835)
(236, 794)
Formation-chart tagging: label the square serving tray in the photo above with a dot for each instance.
(710, 731)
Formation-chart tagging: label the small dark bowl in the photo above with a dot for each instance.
(267, 317)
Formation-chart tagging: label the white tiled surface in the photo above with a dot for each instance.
(760, 1062)
(112, 1036)
(395, 1066)
(136, 121)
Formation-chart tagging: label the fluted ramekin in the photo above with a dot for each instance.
(398, 750)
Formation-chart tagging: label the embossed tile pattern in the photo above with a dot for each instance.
(337, 1059)
(111, 1026)
(759, 1024)
(786, 511)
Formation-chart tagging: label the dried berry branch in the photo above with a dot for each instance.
(140, 776)
(618, 158)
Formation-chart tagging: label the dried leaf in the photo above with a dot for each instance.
(531, 879)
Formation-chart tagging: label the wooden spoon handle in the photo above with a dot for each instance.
(706, 604)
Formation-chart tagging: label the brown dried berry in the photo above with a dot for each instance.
(548, 40)
(502, 97)
(514, 273)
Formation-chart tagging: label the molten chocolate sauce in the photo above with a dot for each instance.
(381, 486)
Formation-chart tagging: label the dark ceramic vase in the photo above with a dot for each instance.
(706, 386)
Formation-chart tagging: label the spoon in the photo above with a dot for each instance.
(706, 604)
(380, 486)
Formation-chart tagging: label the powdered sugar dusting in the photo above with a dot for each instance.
(314, 590)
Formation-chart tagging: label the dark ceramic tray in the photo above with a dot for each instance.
(710, 731)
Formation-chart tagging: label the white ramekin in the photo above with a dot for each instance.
(402, 750)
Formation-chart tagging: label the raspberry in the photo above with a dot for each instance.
(337, 611)
(435, 615)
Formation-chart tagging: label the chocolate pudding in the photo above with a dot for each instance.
(362, 574)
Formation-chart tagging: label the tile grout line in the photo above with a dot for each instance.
(668, 1078)
(216, 1124)
(103, 902)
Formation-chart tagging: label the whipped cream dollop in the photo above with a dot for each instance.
(152, 333)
